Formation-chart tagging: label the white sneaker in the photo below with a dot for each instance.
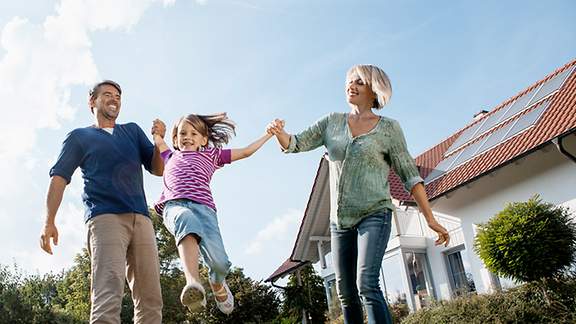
(193, 296)
(226, 306)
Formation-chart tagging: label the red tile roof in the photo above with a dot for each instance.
(558, 119)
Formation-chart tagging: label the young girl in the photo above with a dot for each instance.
(186, 203)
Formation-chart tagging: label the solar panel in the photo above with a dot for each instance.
(441, 168)
(433, 175)
(551, 85)
(504, 133)
(527, 120)
(499, 136)
(493, 119)
(511, 109)
(467, 153)
(466, 135)
(519, 104)
(495, 138)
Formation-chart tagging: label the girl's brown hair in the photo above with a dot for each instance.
(218, 128)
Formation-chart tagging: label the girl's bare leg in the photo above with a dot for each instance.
(189, 253)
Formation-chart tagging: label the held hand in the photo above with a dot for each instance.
(275, 127)
(158, 128)
(49, 231)
(443, 236)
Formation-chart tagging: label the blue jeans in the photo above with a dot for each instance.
(184, 217)
(357, 253)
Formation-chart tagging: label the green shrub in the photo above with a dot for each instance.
(528, 241)
(398, 311)
(523, 304)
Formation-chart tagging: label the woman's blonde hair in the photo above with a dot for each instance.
(376, 79)
(217, 128)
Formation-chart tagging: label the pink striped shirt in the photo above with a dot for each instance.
(187, 175)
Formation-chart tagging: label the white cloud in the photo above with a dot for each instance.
(71, 240)
(25, 251)
(39, 65)
(280, 231)
(43, 61)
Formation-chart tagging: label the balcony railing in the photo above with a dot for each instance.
(408, 223)
(411, 223)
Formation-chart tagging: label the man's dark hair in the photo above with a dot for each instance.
(94, 91)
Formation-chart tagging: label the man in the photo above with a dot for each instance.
(121, 239)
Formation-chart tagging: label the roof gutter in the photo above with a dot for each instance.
(275, 285)
(286, 272)
(558, 141)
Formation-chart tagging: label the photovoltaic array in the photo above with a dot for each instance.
(500, 125)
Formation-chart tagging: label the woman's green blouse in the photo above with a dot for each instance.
(359, 166)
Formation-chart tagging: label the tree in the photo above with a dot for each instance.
(65, 297)
(41, 293)
(528, 241)
(12, 308)
(74, 288)
(309, 296)
(32, 299)
(167, 250)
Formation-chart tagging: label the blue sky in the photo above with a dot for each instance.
(256, 60)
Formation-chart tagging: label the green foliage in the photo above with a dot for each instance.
(74, 288)
(65, 298)
(12, 307)
(524, 304)
(41, 293)
(30, 300)
(528, 241)
(309, 296)
(335, 311)
(172, 282)
(398, 310)
(167, 250)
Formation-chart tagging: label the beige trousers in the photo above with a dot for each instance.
(123, 247)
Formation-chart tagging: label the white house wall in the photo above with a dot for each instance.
(546, 172)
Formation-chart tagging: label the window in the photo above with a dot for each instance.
(393, 275)
(420, 279)
(459, 274)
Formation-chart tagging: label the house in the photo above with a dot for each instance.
(522, 147)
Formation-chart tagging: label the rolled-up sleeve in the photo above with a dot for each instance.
(402, 163)
(310, 138)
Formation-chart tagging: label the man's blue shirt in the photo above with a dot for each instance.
(111, 167)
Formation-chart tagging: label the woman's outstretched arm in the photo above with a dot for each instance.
(276, 128)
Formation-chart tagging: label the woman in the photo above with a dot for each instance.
(362, 147)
